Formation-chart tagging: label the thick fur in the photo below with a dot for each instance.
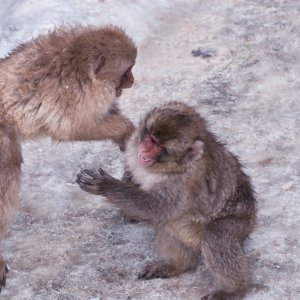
(47, 85)
(196, 196)
(64, 85)
(10, 177)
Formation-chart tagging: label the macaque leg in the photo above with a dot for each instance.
(225, 258)
(10, 174)
(177, 258)
(3, 271)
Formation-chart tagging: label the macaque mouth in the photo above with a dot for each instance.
(118, 92)
(145, 161)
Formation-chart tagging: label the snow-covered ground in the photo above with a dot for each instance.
(66, 244)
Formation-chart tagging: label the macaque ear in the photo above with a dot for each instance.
(197, 150)
(99, 63)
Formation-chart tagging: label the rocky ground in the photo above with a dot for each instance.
(238, 63)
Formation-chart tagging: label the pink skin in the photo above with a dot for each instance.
(126, 82)
(148, 151)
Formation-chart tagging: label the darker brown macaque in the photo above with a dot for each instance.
(63, 85)
(185, 183)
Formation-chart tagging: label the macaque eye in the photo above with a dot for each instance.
(156, 142)
(153, 140)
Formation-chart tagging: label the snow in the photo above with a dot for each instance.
(23, 19)
(66, 244)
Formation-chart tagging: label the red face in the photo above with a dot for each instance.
(127, 81)
(149, 150)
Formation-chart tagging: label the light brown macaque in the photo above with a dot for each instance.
(63, 85)
(185, 183)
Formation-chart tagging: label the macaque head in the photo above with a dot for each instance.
(169, 134)
(113, 59)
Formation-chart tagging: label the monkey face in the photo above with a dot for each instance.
(113, 58)
(149, 149)
(126, 81)
(167, 136)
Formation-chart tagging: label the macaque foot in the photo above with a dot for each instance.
(158, 270)
(3, 272)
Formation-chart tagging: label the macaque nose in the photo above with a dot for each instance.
(129, 79)
(146, 145)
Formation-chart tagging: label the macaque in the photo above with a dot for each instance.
(63, 85)
(186, 184)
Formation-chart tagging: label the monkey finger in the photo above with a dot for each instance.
(102, 172)
(122, 147)
(82, 178)
(90, 188)
(86, 181)
(104, 175)
(90, 173)
(85, 186)
(90, 177)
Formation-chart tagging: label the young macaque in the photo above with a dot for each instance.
(64, 85)
(185, 183)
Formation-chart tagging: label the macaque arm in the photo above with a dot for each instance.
(128, 179)
(114, 127)
(134, 202)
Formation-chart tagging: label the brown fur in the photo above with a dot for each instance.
(195, 195)
(64, 85)
(48, 86)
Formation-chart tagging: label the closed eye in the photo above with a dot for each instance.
(153, 140)
(156, 142)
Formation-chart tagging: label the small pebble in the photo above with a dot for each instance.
(204, 52)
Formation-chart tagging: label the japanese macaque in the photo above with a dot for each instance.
(185, 183)
(64, 85)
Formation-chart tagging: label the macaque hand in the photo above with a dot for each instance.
(123, 141)
(93, 182)
(122, 146)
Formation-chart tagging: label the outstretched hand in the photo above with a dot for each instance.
(94, 182)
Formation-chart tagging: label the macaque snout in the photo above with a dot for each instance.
(127, 81)
(148, 151)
